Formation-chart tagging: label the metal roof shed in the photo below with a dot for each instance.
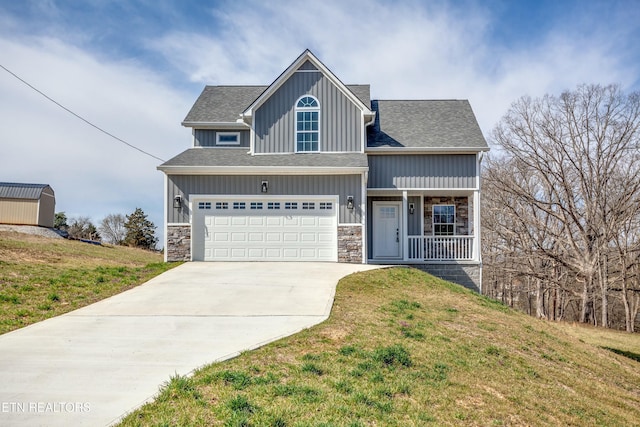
(27, 204)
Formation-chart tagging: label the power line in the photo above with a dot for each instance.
(79, 116)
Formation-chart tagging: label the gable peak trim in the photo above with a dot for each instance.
(306, 56)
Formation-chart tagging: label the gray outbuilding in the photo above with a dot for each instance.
(27, 204)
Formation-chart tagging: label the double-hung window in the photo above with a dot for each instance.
(307, 124)
(444, 220)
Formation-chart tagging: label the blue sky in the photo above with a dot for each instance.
(136, 67)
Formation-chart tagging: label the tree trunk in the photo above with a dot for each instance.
(584, 302)
(604, 293)
(539, 300)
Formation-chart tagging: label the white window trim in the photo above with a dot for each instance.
(295, 122)
(219, 134)
(433, 222)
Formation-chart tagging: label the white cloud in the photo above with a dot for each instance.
(404, 50)
(92, 174)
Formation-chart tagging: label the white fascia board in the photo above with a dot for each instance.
(306, 55)
(259, 170)
(216, 125)
(424, 191)
(423, 150)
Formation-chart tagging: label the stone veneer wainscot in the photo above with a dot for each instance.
(178, 243)
(350, 244)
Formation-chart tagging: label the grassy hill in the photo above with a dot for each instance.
(402, 348)
(42, 277)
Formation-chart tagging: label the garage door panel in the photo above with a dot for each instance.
(219, 237)
(255, 252)
(308, 253)
(325, 221)
(325, 253)
(308, 221)
(257, 221)
(238, 221)
(308, 237)
(240, 236)
(274, 221)
(290, 252)
(272, 233)
(218, 221)
(290, 237)
(219, 252)
(238, 252)
(256, 237)
(273, 253)
(273, 237)
(325, 237)
(291, 221)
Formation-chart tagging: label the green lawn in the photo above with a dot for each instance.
(43, 277)
(402, 348)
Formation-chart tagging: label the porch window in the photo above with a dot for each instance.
(444, 220)
(307, 124)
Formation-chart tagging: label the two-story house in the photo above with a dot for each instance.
(310, 169)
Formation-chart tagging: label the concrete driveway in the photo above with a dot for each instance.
(94, 365)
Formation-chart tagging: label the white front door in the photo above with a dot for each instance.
(387, 231)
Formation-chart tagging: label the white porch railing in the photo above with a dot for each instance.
(440, 248)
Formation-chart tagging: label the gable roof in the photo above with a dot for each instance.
(431, 125)
(13, 190)
(220, 105)
(306, 60)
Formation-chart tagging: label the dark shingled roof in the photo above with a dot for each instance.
(203, 157)
(425, 124)
(223, 104)
(13, 190)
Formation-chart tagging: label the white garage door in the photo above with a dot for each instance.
(291, 229)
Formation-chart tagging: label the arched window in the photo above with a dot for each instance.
(307, 124)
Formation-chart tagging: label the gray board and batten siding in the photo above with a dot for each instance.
(207, 138)
(340, 119)
(250, 185)
(433, 171)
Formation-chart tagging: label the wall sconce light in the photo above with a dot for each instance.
(349, 202)
(265, 186)
(412, 208)
(177, 202)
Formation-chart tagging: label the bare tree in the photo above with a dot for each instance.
(83, 228)
(112, 229)
(567, 184)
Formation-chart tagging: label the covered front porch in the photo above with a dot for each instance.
(413, 227)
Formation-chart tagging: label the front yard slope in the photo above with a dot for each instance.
(43, 277)
(403, 348)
